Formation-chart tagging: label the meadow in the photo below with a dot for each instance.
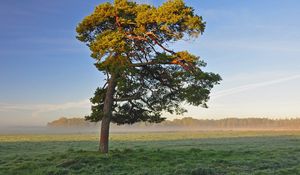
(155, 153)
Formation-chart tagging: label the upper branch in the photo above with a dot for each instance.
(128, 98)
(153, 37)
(149, 63)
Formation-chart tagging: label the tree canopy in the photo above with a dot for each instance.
(128, 42)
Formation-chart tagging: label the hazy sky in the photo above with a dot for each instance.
(45, 73)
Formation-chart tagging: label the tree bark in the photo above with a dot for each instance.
(107, 113)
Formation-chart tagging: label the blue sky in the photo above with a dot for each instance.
(45, 73)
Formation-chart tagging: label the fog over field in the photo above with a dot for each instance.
(81, 126)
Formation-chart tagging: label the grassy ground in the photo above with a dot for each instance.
(199, 153)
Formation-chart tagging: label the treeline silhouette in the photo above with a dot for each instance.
(70, 122)
(189, 122)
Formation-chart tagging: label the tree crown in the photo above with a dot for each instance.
(128, 40)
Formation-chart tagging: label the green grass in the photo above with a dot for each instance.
(199, 153)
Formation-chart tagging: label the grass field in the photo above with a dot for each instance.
(198, 153)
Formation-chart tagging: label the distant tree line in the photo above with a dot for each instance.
(227, 123)
(235, 123)
(70, 123)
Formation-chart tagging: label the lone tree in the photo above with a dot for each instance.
(144, 76)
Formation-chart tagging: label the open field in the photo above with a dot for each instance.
(200, 153)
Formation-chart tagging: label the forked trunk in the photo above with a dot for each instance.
(107, 113)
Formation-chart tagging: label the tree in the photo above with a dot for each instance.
(144, 77)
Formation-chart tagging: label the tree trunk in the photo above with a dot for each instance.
(107, 113)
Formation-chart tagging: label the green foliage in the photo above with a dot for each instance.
(127, 39)
(97, 111)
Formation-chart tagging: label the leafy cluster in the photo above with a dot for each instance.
(127, 39)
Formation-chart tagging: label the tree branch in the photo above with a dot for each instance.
(136, 97)
(148, 63)
(117, 22)
(148, 105)
(140, 38)
(153, 37)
